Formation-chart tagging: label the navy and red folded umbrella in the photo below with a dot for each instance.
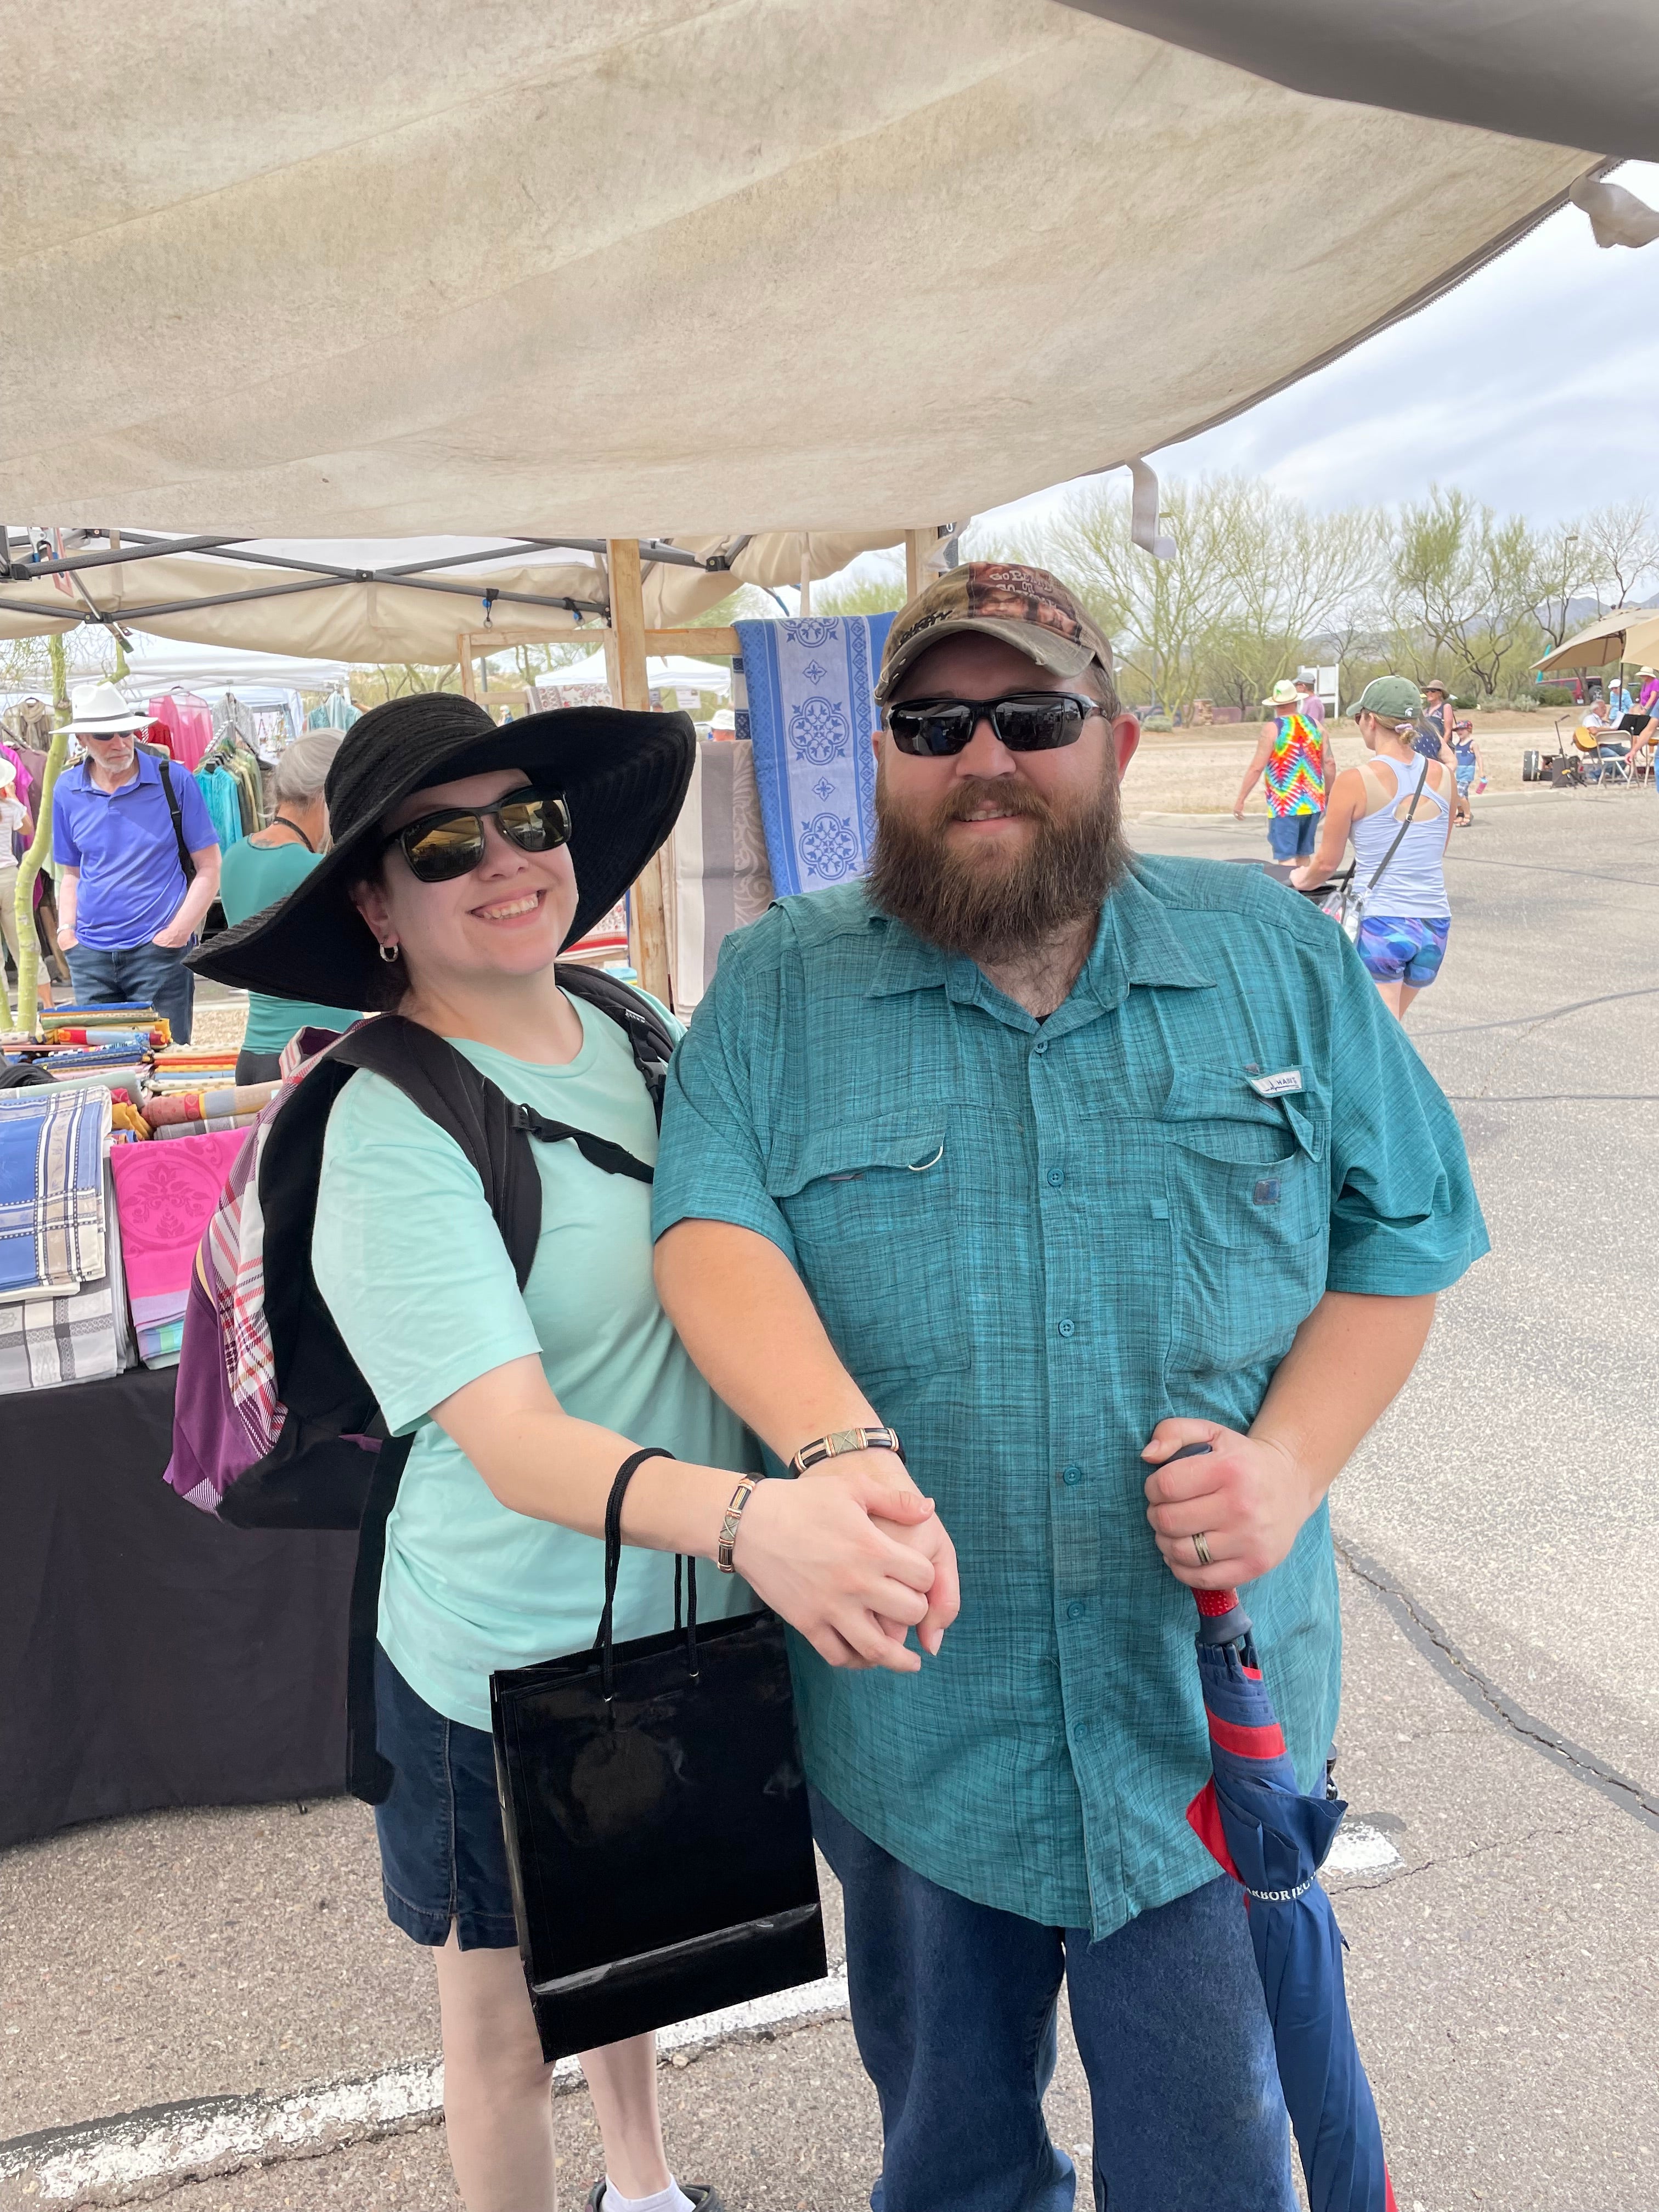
(1272, 1839)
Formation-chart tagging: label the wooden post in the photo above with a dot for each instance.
(464, 654)
(648, 945)
(919, 545)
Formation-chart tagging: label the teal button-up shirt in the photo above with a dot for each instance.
(1029, 1243)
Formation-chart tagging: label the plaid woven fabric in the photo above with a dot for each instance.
(46, 1341)
(51, 1189)
(1030, 1242)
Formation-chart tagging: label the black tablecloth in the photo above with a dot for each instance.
(149, 1656)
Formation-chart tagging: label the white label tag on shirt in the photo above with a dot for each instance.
(1275, 1086)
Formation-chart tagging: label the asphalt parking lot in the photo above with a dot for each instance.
(1500, 1732)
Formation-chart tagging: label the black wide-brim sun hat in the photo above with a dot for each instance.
(623, 776)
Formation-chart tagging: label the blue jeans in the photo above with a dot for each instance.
(140, 974)
(1293, 836)
(954, 2007)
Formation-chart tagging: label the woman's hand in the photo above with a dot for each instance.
(1300, 875)
(820, 1551)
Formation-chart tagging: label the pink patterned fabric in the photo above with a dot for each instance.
(165, 1196)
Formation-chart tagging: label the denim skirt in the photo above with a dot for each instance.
(442, 1859)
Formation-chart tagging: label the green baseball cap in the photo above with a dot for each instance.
(1390, 698)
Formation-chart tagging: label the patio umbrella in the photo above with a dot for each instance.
(1273, 1839)
(1628, 633)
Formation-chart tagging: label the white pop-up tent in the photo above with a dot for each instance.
(681, 295)
(671, 268)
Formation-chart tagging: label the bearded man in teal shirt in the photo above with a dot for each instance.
(1042, 1161)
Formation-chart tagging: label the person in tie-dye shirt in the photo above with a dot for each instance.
(1290, 758)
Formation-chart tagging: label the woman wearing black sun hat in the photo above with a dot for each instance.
(465, 858)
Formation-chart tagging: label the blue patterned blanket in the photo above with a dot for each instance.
(51, 1189)
(804, 695)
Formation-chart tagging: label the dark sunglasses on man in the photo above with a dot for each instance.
(1024, 721)
(440, 847)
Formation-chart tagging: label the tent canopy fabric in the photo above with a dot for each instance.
(1588, 74)
(156, 666)
(217, 602)
(1628, 633)
(671, 267)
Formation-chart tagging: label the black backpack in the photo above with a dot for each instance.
(333, 1465)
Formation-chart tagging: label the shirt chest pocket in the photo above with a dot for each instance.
(1248, 1195)
(871, 1208)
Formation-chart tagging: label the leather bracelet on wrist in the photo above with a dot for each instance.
(729, 1527)
(845, 1440)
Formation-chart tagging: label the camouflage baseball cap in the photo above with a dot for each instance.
(1026, 608)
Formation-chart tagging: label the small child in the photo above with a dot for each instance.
(1469, 766)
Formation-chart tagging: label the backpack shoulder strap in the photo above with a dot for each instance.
(467, 1106)
(650, 1041)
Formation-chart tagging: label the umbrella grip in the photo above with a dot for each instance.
(1221, 1618)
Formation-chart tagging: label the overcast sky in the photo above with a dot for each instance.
(1535, 385)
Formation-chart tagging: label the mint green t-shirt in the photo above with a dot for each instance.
(413, 1269)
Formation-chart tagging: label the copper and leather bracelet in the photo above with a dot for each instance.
(845, 1440)
(728, 1535)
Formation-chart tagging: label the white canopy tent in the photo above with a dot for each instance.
(676, 267)
(153, 665)
(674, 671)
(776, 283)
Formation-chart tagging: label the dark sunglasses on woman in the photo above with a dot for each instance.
(1024, 721)
(440, 847)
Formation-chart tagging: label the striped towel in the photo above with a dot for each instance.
(51, 1188)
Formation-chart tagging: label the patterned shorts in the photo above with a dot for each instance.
(1403, 951)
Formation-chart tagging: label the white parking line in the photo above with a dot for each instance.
(105, 2161)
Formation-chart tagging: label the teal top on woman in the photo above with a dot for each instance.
(252, 877)
(410, 1264)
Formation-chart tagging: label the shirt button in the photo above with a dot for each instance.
(1070, 1474)
(1041, 1046)
(1056, 1176)
(1068, 1328)
(1079, 1730)
(1076, 1610)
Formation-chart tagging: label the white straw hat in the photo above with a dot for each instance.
(102, 712)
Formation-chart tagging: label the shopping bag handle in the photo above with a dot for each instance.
(604, 1643)
(1221, 1618)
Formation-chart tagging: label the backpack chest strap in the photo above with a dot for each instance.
(599, 1151)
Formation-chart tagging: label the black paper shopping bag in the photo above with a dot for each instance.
(657, 1829)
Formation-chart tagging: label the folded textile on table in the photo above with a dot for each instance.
(51, 1189)
(212, 1121)
(125, 1116)
(236, 1099)
(173, 1071)
(132, 1041)
(118, 1071)
(804, 692)
(165, 1195)
(129, 1014)
(721, 880)
(70, 1336)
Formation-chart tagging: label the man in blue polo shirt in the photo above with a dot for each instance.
(128, 910)
(1052, 1160)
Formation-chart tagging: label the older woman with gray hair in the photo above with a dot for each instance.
(262, 869)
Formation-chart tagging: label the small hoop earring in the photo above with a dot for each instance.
(389, 954)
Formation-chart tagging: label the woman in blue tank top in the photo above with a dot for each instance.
(1397, 811)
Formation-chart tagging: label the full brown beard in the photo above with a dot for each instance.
(991, 906)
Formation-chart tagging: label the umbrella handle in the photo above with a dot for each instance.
(1221, 1618)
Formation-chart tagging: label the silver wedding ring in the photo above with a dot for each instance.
(1202, 1549)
